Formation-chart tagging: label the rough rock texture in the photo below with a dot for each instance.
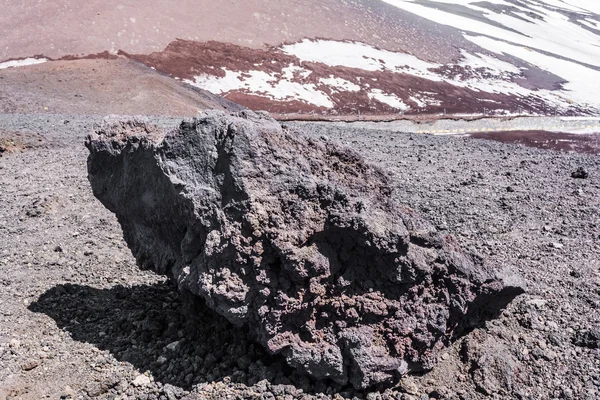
(297, 238)
(492, 366)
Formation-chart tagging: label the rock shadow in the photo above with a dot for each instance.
(151, 327)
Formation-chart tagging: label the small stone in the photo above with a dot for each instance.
(542, 344)
(141, 380)
(580, 173)
(96, 389)
(263, 386)
(409, 385)
(549, 355)
(374, 396)
(161, 360)
(567, 393)
(30, 365)
(68, 393)
(588, 338)
(445, 356)
(555, 339)
(14, 344)
(172, 346)
(557, 245)
(537, 303)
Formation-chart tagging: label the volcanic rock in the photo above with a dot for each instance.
(297, 238)
(580, 173)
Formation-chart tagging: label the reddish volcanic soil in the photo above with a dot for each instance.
(96, 86)
(71, 27)
(186, 59)
(570, 142)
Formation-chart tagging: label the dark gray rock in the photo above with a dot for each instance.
(296, 238)
(580, 173)
(588, 338)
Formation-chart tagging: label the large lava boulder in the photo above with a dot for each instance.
(297, 238)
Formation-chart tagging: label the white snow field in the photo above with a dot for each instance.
(552, 41)
(559, 39)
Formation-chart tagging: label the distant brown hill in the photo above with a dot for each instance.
(97, 86)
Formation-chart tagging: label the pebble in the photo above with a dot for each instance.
(141, 380)
(161, 360)
(172, 346)
(409, 385)
(68, 393)
(538, 303)
(374, 396)
(580, 173)
(30, 365)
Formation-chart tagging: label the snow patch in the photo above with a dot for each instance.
(363, 56)
(274, 86)
(493, 65)
(339, 83)
(579, 87)
(22, 63)
(421, 100)
(354, 55)
(390, 99)
(555, 34)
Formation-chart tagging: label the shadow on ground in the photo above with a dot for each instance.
(147, 327)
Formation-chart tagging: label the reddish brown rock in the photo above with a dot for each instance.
(297, 238)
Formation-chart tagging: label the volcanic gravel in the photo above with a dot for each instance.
(78, 319)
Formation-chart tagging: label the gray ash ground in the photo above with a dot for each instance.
(79, 320)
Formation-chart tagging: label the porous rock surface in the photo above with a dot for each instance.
(299, 239)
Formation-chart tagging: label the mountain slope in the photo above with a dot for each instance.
(341, 57)
(99, 87)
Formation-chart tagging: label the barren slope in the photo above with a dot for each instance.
(339, 57)
(99, 87)
(70, 27)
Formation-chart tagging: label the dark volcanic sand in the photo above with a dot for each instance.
(78, 318)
